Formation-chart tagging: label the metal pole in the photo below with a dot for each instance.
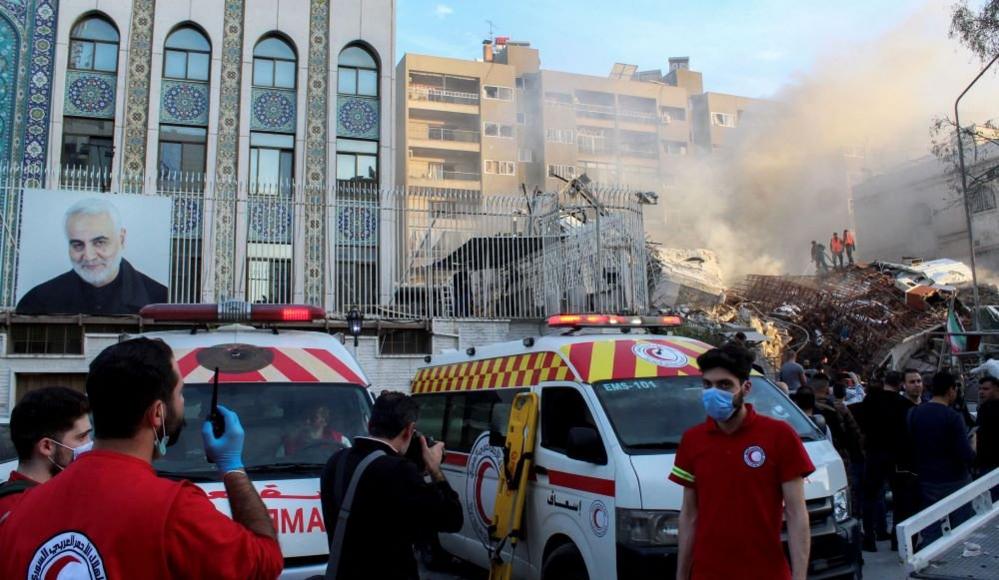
(964, 192)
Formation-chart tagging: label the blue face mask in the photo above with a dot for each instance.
(718, 404)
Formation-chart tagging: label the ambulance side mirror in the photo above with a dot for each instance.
(584, 445)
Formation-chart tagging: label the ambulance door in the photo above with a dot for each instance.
(574, 493)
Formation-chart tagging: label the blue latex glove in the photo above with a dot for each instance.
(226, 452)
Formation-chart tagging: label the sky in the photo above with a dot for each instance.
(751, 48)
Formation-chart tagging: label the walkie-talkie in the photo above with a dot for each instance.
(218, 421)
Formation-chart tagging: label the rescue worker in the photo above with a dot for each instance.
(819, 257)
(849, 244)
(836, 247)
(394, 506)
(108, 515)
(50, 428)
(740, 471)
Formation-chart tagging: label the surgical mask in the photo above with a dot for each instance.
(160, 445)
(718, 404)
(77, 451)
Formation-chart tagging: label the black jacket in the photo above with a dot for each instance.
(988, 437)
(394, 507)
(69, 294)
(882, 419)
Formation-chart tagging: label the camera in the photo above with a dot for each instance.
(415, 451)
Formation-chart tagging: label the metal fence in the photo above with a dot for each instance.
(392, 253)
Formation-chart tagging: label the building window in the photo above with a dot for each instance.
(563, 171)
(182, 155)
(722, 119)
(670, 114)
(187, 55)
(558, 98)
(46, 339)
(87, 145)
(404, 342)
(519, 82)
(356, 160)
(357, 73)
(272, 163)
(500, 167)
(93, 45)
(497, 130)
(675, 147)
(274, 64)
(497, 93)
(565, 136)
(525, 155)
(982, 198)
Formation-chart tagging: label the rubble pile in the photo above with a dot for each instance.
(852, 318)
(684, 277)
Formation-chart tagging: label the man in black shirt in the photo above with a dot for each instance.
(988, 424)
(394, 506)
(942, 450)
(101, 281)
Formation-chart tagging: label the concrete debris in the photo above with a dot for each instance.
(684, 277)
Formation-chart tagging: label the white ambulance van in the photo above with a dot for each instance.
(300, 396)
(614, 406)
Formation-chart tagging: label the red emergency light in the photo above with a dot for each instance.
(612, 320)
(232, 311)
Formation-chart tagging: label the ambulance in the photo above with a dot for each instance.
(615, 399)
(300, 396)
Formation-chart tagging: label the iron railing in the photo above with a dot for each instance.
(393, 253)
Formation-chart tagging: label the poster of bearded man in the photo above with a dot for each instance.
(82, 252)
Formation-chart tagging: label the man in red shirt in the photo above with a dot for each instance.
(50, 427)
(109, 516)
(740, 471)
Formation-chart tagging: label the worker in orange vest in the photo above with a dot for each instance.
(850, 243)
(836, 247)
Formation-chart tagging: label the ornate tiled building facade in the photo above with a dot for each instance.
(141, 111)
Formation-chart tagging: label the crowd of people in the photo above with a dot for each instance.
(919, 441)
(839, 247)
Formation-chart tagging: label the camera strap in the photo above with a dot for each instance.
(336, 548)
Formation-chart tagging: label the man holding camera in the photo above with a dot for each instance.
(373, 519)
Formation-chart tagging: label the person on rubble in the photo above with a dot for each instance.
(819, 257)
(836, 247)
(849, 244)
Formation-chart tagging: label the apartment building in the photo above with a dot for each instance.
(490, 125)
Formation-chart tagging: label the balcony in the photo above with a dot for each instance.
(441, 176)
(633, 116)
(437, 99)
(439, 137)
(638, 151)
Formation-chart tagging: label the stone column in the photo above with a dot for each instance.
(140, 56)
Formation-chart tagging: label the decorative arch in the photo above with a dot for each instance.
(358, 117)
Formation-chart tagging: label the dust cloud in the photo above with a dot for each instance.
(786, 177)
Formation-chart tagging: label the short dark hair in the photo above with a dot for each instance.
(839, 390)
(910, 371)
(740, 335)
(804, 397)
(393, 412)
(894, 378)
(124, 380)
(47, 412)
(730, 357)
(989, 379)
(943, 382)
(843, 376)
(819, 380)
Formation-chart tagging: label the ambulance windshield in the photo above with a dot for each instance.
(650, 415)
(291, 429)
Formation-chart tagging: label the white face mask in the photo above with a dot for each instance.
(77, 451)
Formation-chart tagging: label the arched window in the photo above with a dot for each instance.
(357, 116)
(187, 55)
(358, 72)
(274, 63)
(93, 45)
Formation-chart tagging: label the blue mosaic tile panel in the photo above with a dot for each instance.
(184, 103)
(90, 94)
(8, 86)
(273, 110)
(357, 225)
(357, 117)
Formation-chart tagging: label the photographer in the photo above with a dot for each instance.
(393, 506)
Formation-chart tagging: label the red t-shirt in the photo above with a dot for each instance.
(740, 502)
(8, 502)
(109, 516)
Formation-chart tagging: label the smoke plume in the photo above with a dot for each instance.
(785, 178)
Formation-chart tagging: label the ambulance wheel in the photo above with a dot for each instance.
(564, 563)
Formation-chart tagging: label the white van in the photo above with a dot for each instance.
(613, 409)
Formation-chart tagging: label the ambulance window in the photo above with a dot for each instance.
(562, 408)
(431, 421)
(454, 419)
(470, 415)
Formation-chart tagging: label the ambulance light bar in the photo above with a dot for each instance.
(611, 320)
(232, 311)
